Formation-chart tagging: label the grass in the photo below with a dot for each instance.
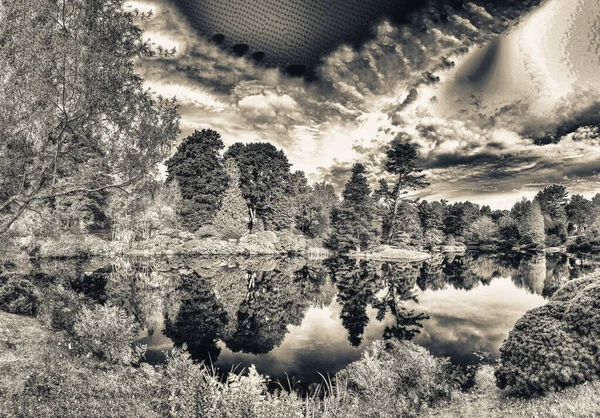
(485, 400)
(40, 377)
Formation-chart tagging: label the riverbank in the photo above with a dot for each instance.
(176, 242)
(41, 376)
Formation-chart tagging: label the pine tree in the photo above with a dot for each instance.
(401, 162)
(354, 221)
(231, 220)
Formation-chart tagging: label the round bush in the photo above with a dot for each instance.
(19, 296)
(554, 346)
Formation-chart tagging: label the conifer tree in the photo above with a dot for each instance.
(401, 162)
(231, 220)
(354, 221)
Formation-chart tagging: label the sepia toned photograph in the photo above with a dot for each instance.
(300, 208)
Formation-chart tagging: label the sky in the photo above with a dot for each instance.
(500, 100)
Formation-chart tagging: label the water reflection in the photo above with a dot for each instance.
(304, 317)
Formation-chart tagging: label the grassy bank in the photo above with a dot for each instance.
(43, 375)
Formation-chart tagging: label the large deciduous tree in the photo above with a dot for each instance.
(353, 222)
(265, 176)
(401, 162)
(531, 225)
(75, 119)
(198, 168)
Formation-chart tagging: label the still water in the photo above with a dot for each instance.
(295, 318)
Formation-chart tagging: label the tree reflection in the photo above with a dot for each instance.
(274, 300)
(386, 287)
(400, 281)
(531, 273)
(200, 319)
(356, 283)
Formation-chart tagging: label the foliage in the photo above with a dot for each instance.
(75, 119)
(315, 208)
(553, 200)
(459, 216)
(59, 307)
(531, 225)
(556, 345)
(406, 225)
(353, 221)
(19, 296)
(107, 332)
(139, 216)
(198, 168)
(280, 212)
(401, 162)
(231, 221)
(483, 231)
(265, 173)
(508, 229)
(398, 376)
(580, 212)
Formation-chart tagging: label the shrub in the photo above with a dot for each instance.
(554, 346)
(107, 332)
(59, 306)
(399, 377)
(206, 231)
(19, 296)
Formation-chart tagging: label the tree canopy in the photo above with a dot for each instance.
(198, 168)
(265, 173)
(75, 119)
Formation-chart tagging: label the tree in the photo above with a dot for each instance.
(407, 227)
(520, 209)
(315, 208)
(432, 214)
(459, 216)
(553, 200)
(353, 221)
(232, 217)
(580, 212)
(198, 168)
(483, 230)
(75, 119)
(401, 162)
(531, 226)
(265, 173)
(280, 212)
(508, 229)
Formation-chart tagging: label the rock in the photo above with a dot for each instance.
(171, 233)
(186, 236)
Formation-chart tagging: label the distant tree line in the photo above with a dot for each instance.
(249, 188)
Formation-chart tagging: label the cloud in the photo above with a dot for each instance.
(368, 95)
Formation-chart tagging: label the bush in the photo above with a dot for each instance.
(206, 231)
(400, 378)
(19, 296)
(107, 332)
(59, 306)
(554, 346)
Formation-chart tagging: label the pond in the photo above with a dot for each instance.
(297, 319)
